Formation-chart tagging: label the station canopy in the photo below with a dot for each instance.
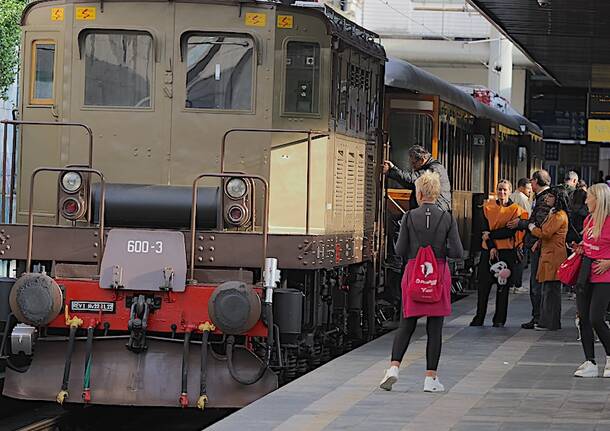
(569, 40)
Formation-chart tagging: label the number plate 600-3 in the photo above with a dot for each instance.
(143, 256)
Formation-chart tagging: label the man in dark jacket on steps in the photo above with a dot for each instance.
(421, 161)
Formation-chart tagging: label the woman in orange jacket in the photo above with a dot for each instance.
(552, 242)
(500, 243)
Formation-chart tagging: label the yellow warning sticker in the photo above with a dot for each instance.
(85, 13)
(285, 21)
(256, 19)
(57, 14)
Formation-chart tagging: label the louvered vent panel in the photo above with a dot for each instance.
(369, 208)
(360, 186)
(350, 191)
(339, 197)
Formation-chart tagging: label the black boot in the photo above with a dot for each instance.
(529, 325)
(476, 321)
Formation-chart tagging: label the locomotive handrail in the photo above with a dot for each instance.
(102, 208)
(396, 204)
(194, 213)
(15, 123)
(309, 133)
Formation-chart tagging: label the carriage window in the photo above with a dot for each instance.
(118, 69)
(219, 72)
(302, 78)
(478, 164)
(43, 61)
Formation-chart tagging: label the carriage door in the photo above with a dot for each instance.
(41, 101)
(410, 122)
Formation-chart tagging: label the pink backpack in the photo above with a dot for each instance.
(423, 283)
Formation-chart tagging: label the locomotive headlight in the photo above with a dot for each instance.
(236, 188)
(71, 182)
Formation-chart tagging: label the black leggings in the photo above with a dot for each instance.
(592, 303)
(434, 329)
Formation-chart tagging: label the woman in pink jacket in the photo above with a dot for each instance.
(593, 288)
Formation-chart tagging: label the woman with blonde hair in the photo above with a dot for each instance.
(593, 288)
(427, 225)
(500, 244)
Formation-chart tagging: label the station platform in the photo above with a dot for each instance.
(496, 379)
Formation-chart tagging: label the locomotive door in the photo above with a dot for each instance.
(120, 90)
(40, 100)
(217, 54)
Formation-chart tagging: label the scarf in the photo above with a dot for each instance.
(498, 216)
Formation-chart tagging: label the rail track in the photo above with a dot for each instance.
(50, 424)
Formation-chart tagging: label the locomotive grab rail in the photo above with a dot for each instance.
(28, 265)
(15, 123)
(194, 214)
(309, 133)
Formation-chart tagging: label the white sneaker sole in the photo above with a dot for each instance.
(387, 383)
(434, 390)
(589, 375)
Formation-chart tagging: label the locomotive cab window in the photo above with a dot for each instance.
(43, 72)
(219, 71)
(301, 93)
(118, 68)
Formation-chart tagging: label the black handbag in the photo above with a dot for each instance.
(582, 282)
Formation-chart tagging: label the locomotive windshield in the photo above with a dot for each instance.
(219, 72)
(118, 69)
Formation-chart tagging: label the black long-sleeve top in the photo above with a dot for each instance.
(429, 225)
(539, 212)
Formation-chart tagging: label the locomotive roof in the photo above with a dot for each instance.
(353, 34)
(404, 75)
(338, 25)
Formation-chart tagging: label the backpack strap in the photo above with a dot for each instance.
(438, 223)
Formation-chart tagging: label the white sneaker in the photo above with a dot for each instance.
(607, 367)
(391, 377)
(587, 369)
(431, 384)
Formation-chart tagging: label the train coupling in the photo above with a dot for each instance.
(138, 323)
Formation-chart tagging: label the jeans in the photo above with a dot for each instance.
(535, 287)
(517, 275)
